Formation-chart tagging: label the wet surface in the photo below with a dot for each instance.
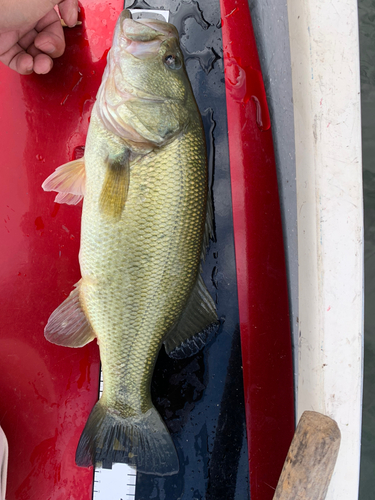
(201, 398)
(48, 390)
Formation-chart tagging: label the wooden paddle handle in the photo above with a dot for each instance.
(311, 459)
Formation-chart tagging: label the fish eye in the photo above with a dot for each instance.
(172, 61)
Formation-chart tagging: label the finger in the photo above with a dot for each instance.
(51, 35)
(50, 43)
(24, 14)
(34, 43)
(7, 41)
(26, 62)
(69, 11)
(21, 62)
(33, 51)
(13, 54)
(42, 64)
(28, 39)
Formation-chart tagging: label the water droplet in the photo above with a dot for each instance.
(214, 277)
(258, 111)
(209, 125)
(39, 225)
(186, 10)
(246, 83)
(56, 208)
(77, 78)
(232, 12)
(206, 57)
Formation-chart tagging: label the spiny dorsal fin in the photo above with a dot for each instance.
(116, 185)
(195, 324)
(69, 182)
(68, 325)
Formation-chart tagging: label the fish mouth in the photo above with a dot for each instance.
(144, 37)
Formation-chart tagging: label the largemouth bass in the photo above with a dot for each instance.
(146, 222)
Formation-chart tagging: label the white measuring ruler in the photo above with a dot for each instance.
(154, 14)
(119, 483)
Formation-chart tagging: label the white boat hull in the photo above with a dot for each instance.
(326, 94)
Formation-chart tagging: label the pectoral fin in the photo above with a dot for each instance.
(197, 321)
(68, 325)
(69, 182)
(116, 185)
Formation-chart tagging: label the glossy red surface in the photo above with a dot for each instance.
(46, 391)
(261, 275)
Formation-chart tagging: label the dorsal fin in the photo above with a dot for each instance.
(197, 321)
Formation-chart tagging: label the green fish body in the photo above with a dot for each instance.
(146, 222)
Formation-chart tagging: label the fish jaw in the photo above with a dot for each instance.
(143, 38)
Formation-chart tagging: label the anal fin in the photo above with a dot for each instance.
(68, 325)
(68, 181)
(197, 321)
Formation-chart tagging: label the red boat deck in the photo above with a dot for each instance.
(48, 391)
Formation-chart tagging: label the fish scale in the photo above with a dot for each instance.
(168, 265)
(143, 317)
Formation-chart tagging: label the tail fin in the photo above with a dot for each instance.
(142, 440)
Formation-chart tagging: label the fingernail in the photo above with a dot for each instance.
(48, 48)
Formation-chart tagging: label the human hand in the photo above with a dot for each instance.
(31, 34)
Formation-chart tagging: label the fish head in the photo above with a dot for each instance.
(151, 58)
(145, 95)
